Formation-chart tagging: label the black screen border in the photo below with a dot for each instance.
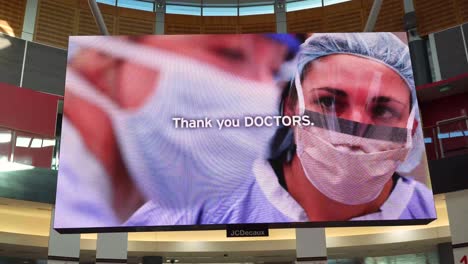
(356, 223)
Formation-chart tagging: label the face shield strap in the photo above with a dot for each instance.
(409, 126)
(300, 94)
(283, 147)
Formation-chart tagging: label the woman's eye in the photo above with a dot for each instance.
(383, 112)
(231, 54)
(326, 102)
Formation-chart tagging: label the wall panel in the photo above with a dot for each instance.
(27, 110)
(451, 52)
(305, 21)
(11, 59)
(86, 23)
(44, 68)
(12, 17)
(182, 24)
(391, 15)
(462, 8)
(220, 24)
(435, 15)
(302, 21)
(56, 20)
(345, 17)
(135, 22)
(257, 24)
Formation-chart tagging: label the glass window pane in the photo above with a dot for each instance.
(33, 150)
(36, 143)
(456, 134)
(256, 10)
(5, 136)
(220, 11)
(135, 4)
(332, 2)
(23, 142)
(443, 135)
(48, 143)
(300, 5)
(108, 2)
(183, 10)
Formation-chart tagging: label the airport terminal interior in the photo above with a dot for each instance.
(34, 43)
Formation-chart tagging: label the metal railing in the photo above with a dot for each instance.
(447, 138)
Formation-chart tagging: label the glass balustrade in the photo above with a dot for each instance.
(447, 138)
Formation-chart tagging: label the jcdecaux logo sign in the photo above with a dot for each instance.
(247, 232)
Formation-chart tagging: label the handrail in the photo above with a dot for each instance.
(447, 121)
(437, 141)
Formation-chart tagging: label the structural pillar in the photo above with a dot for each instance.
(29, 22)
(458, 218)
(280, 12)
(373, 15)
(62, 248)
(417, 46)
(160, 9)
(112, 248)
(445, 253)
(311, 246)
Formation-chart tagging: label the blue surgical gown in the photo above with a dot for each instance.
(261, 199)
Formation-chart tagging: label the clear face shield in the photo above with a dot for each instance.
(362, 115)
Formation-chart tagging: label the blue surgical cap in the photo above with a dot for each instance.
(385, 48)
(290, 40)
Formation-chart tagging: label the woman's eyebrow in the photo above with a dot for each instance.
(386, 99)
(335, 91)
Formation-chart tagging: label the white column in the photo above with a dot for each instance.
(457, 208)
(62, 248)
(112, 248)
(434, 59)
(408, 6)
(280, 12)
(29, 22)
(311, 246)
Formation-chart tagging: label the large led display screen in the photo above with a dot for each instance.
(202, 131)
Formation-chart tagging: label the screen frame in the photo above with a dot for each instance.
(324, 224)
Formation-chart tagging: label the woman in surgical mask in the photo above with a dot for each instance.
(358, 91)
(121, 150)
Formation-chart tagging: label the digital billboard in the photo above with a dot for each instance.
(202, 131)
